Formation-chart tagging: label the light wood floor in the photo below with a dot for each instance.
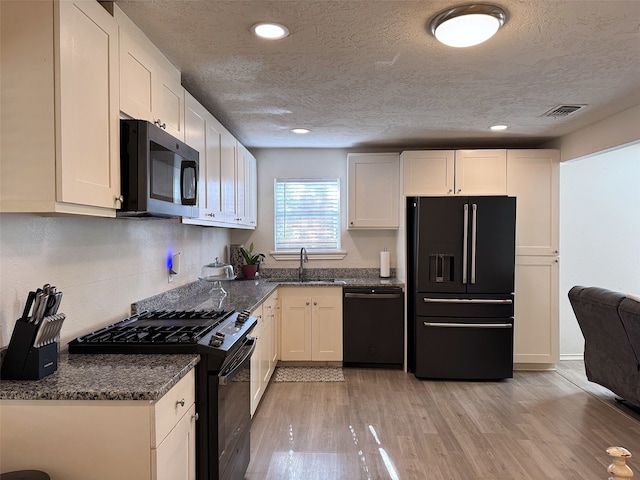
(386, 424)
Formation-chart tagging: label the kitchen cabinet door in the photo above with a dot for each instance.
(373, 186)
(168, 110)
(136, 78)
(429, 172)
(536, 324)
(295, 333)
(256, 359)
(61, 74)
(326, 337)
(175, 457)
(481, 172)
(148, 91)
(228, 155)
(533, 178)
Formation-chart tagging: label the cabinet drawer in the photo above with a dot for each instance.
(170, 409)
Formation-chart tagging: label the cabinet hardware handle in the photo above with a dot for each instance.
(180, 402)
(450, 190)
(459, 190)
(555, 251)
(315, 303)
(196, 416)
(307, 303)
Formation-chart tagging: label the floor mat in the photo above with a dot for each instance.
(308, 374)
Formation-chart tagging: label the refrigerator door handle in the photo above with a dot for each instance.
(465, 238)
(474, 230)
(501, 301)
(468, 325)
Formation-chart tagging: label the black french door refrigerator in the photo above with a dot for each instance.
(460, 283)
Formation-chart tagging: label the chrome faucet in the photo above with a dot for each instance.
(304, 258)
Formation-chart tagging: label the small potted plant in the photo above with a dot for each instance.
(252, 261)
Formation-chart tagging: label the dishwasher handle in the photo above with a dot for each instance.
(371, 296)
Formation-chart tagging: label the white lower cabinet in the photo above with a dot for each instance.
(311, 324)
(536, 326)
(103, 440)
(264, 358)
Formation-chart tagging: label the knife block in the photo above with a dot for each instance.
(23, 361)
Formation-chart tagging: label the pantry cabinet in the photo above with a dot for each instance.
(536, 323)
(533, 178)
(311, 324)
(147, 90)
(59, 124)
(373, 191)
(454, 172)
(103, 440)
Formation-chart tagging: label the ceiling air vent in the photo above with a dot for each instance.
(563, 110)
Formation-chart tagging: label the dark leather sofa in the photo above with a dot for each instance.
(610, 324)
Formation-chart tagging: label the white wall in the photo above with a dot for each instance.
(610, 133)
(599, 231)
(362, 246)
(101, 264)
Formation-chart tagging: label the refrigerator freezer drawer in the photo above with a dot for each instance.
(464, 348)
(482, 306)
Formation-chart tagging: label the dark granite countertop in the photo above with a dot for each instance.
(104, 377)
(248, 294)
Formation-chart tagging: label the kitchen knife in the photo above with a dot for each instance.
(40, 307)
(49, 331)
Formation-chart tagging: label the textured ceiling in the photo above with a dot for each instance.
(365, 73)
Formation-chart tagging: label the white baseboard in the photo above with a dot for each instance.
(571, 356)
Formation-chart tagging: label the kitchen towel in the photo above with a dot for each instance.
(385, 267)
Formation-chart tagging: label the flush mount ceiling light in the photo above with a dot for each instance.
(270, 31)
(467, 25)
(498, 127)
(300, 131)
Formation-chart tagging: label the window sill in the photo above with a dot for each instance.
(313, 255)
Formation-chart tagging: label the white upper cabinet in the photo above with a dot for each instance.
(149, 87)
(455, 172)
(481, 172)
(428, 172)
(60, 133)
(533, 178)
(373, 190)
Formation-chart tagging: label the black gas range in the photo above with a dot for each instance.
(223, 392)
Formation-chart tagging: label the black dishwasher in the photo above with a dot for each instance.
(373, 327)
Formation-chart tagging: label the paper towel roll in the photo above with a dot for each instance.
(385, 270)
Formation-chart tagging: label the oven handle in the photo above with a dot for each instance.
(225, 377)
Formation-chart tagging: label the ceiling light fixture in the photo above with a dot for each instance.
(300, 131)
(467, 25)
(270, 31)
(499, 127)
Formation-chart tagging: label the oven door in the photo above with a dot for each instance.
(234, 413)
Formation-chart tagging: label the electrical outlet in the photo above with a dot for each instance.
(173, 266)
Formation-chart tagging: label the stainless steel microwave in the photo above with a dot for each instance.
(158, 173)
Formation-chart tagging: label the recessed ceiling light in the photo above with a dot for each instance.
(270, 31)
(300, 131)
(499, 127)
(467, 25)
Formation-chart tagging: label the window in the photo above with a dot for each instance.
(307, 214)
